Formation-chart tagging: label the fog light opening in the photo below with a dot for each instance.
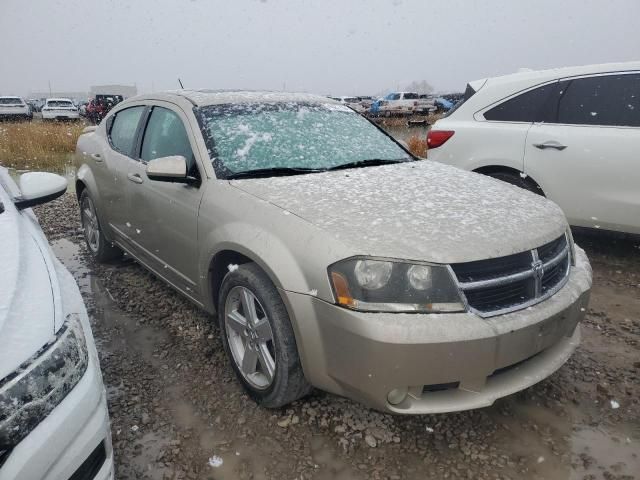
(397, 395)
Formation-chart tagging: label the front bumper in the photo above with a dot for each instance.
(444, 362)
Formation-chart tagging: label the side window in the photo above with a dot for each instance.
(611, 100)
(164, 136)
(527, 107)
(122, 133)
(395, 96)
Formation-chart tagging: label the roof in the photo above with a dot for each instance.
(540, 76)
(60, 99)
(219, 97)
(10, 96)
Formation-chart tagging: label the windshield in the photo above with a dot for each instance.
(248, 137)
(59, 103)
(10, 101)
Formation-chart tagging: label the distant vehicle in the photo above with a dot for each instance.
(54, 422)
(98, 107)
(14, 109)
(442, 290)
(426, 104)
(570, 134)
(396, 103)
(352, 102)
(59, 109)
(443, 104)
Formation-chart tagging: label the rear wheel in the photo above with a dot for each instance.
(99, 247)
(518, 180)
(258, 338)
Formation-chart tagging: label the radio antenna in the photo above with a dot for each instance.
(180, 82)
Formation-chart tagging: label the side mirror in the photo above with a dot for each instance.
(37, 188)
(169, 169)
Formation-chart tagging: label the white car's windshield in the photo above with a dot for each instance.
(252, 137)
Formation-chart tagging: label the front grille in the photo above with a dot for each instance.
(504, 284)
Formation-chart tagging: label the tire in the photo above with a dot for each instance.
(273, 374)
(514, 179)
(101, 249)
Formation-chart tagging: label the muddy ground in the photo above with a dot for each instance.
(176, 409)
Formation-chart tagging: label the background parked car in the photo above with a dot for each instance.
(98, 107)
(14, 109)
(53, 411)
(59, 109)
(571, 134)
(396, 103)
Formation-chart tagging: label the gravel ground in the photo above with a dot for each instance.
(177, 411)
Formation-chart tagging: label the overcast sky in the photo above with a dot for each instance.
(323, 46)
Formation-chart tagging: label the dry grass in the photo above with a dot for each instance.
(37, 145)
(418, 146)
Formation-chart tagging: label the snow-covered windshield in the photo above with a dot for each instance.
(249, 137)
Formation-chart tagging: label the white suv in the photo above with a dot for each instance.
(571, 134)
(60, 109)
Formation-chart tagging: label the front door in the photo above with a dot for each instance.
(586, 158)
(164, 215)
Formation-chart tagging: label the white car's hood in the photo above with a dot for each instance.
(418, 210)
(28, 287)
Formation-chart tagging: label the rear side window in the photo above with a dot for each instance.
(609, 100)
(165, 136)
(526, 107)
(122, 134)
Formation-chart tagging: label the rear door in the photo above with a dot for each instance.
(585, 157)
(111, 165)
(164, 215)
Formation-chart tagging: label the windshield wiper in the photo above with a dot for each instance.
(272, 172)
(369, 163)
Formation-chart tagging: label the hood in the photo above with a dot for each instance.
(418, 210)
(27, 290)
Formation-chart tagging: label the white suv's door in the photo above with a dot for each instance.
(586, 160)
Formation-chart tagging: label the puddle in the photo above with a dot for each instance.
(553, 447)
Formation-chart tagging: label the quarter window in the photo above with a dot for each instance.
(526, 107)
(123, 129)
(165, 136)
(610, 100)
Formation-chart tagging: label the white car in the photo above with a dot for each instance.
(54, 423)
(60, 109)
(397, 103)
(570, 134)
(14, 108)
(352, 102)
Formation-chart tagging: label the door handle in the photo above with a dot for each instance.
(135, 178)
(554, 145)
(97, 157)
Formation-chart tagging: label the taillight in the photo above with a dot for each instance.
(435, 138)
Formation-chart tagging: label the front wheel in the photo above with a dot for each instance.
(258, 338)
(99, 247)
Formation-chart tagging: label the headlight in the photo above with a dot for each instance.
(30, 393)
(379, 285)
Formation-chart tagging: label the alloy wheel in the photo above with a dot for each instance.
(250, 337)
(90, 224)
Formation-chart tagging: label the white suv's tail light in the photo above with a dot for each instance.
(436, 138)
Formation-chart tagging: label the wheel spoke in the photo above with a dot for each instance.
(236, 322)
(249, 361)
(249, 306)
(268, 364)
(263, 329)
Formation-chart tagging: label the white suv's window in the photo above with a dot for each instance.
(612, 100)
(526, 107)
(10, 101)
